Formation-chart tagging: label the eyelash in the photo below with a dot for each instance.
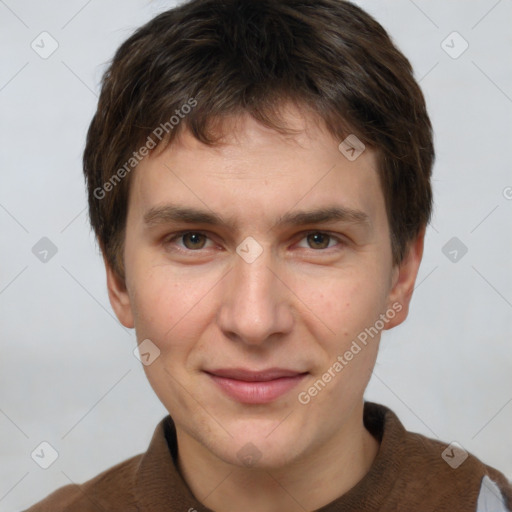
(181, 234)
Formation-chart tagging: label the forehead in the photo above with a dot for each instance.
(256, 172)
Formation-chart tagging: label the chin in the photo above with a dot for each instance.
(257, 456)
(259, 446)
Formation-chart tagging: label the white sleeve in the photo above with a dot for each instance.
(490, 498)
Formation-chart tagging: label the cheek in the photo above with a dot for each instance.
(169, 308)
(172, 311)
(344, 305)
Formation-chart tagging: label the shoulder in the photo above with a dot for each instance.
(148, 481)
(429, 474)
(111, 487)
(452, 474)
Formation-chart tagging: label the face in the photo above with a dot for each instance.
(253, 268)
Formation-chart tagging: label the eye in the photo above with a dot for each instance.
(190, 240)
(319, 240)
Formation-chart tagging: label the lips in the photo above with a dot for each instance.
(254, 376)
(255, 387)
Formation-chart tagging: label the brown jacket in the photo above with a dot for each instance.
(411, 473)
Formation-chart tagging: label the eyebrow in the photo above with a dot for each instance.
(168, 213)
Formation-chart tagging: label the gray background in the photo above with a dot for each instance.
(67, 372)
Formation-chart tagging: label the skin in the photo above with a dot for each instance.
(299, 305)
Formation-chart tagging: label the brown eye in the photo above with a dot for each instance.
(318, 240)
(194, 240)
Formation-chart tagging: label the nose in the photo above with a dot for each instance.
(256, 304)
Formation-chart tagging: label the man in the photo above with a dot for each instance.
(259, 184)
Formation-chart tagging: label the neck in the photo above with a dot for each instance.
(309, 482)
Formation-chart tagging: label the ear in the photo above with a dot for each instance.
(403, 280)
(119, 297)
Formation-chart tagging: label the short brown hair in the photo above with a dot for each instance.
(250, 56)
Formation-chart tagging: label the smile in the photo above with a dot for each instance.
(256, 387)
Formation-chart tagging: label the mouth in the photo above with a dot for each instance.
(255, 387)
